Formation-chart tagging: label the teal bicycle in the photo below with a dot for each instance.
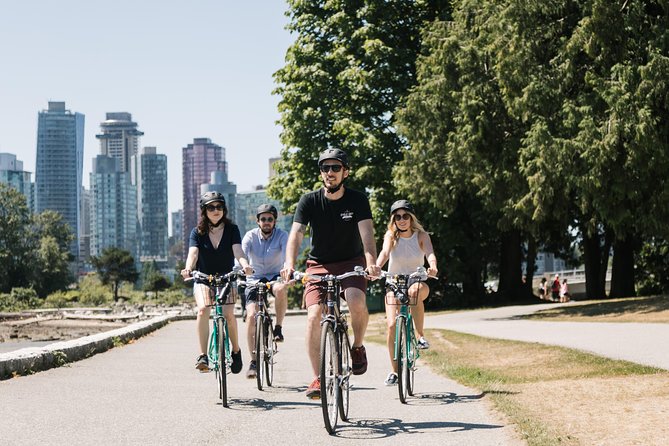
(220, 351)
(406, 345)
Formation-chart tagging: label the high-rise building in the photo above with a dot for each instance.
(119, 138)
(247, 205)
(177, 226)
(60, 165)
(113, 207)
(199, 159)
(152, 205)
(85, 229)
(12, 173)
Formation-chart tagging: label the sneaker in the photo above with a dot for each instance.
(237, 363)
(314, 390)
(423, 344)
(359, 357)
(244, 315)
(278, 336)
(202, 363)
(391, 380)
(251, 373)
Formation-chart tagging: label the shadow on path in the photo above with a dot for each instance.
(388, 427)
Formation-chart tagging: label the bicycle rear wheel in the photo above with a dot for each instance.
(222, 366)
(270, 349)
(402, 363)
(328, 374)
(261, 343)
(412, 355)
(346, 370)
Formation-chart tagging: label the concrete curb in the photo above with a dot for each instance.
(30, 360)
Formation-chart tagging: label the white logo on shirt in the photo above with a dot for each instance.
(347, 215)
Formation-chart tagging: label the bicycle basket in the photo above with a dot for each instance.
(391, 299)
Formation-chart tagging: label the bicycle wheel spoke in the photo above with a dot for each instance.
(328, 374)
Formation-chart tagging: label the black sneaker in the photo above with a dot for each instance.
(202, 363)
(237, 363)
(278, 336)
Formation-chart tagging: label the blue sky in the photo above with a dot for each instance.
(183, 69)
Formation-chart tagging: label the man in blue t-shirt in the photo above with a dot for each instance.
(265, 247)
(342, 237)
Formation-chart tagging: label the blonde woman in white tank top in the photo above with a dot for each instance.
(406, 245)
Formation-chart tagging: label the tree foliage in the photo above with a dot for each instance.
(115, 266)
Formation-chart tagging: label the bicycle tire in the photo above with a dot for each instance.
(270, 349)
(346, 371)
(260, 350)
(329, 362)
(412, 355)
(222, 366)
(402, 363)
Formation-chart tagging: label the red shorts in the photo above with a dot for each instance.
(314, 294)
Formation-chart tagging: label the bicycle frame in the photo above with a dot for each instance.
(264, 338)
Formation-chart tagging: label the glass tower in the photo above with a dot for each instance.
(152, 205)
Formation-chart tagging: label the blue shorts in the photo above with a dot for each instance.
(251, 293)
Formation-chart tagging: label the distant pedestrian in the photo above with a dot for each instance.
(564, 292)
(555, 288)
(542, 289)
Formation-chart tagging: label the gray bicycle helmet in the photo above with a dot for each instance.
(263, 208)
(210, 197)
(333, 154)
(402, 204)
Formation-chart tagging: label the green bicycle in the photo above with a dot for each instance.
(220, 351)
(406, 345)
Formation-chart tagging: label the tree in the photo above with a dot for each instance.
(16, 239)
(52, 262)
(114, 266)
(152, 279)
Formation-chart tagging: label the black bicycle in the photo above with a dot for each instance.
(335, 351)
(265, 346)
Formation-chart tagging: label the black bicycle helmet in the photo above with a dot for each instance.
(263, 208)
(333, 154)
(210, 197)
(402, 204)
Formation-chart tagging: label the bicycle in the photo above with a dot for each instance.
(406, 345)
(220, 351)
(265, 345)
(335, 348)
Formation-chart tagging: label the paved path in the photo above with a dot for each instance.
(643, 343)
(148, 393)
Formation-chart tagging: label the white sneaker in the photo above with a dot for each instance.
(391, 380)
(423, 344)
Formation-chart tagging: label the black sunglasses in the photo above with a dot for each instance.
(334, 167)
(266, 219)
(398, 217)
(215, 207)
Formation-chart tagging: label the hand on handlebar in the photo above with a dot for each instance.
(287, 274)
(374, 272)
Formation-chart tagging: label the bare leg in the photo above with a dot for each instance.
(251, 327)
(420, 291)
(391, 312)
(280, 292)
(229, 313)
(357, 305)
(202, 324)
(313, 337)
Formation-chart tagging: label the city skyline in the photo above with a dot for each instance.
(183, 71)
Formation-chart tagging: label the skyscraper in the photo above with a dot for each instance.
(12, 173)
(113, 207)
(152, 205)
(119, 138)
(199, 159)
(60, 165)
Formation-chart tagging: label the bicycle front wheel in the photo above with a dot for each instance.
(329, 365)
(402, 360)
(412, 355)
(345, 375)
(222, 366)
(261, 343)
(270, 349)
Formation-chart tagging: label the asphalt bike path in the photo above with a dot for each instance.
(149, 393)
(642, 343)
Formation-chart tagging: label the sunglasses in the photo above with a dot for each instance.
(267, 219)
(398, 217)
(325, 168)
(217, 207)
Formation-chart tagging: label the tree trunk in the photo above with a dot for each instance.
(622, 270)
(592, 254)
(531, 266)
(608, 241)
(510, 271)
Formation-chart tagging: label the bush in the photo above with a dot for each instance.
(92, 292)
(26, 297)
(62, 299)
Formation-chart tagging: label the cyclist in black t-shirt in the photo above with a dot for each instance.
(342, 237)
(213, 247)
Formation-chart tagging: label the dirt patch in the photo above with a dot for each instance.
(636, 309)
(629, 410)
(54, 329)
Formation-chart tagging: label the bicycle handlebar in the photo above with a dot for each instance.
(357, 271)
(213, 279)
(420, 274)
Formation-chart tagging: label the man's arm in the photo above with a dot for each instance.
(366, 228)
(294, 242)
